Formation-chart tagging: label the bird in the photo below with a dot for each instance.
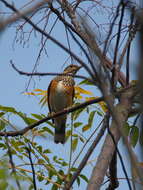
(60, 96)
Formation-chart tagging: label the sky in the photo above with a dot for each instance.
(14, 85)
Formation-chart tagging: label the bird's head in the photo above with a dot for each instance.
(71, 69)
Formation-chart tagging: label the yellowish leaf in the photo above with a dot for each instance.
(29, 93)
(86, 127)
(89, 98)
(78, 96)
(82, 91)
(103, 106)
(134, 82)
(43, 93)
(38, 90)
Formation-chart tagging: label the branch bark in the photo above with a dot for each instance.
(122, 111)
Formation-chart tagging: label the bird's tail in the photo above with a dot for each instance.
(59, 137)
(60, 132)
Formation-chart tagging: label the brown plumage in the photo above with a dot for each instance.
(60, 96)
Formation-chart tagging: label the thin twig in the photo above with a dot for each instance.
(46, 74)
(88, 153)
(113, 173)
(50, 38)
(129, 49)
(115, 65)
(120, 157)
(32, 166)
(12, 163)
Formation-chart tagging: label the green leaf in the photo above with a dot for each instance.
(76, 114)
(134, 135)
(43, 101)
(78, 181)
(31, 187)
(39, 148)
(74, 144)
(84, 178)
(3, 146)
(40, 178)
(30, 120)
(126, 129)
(46, 129)
(86, 127)
(39, 117)
(73, 169)
(51, 124)
(77, 124)
(47, 151)
(2, 125)
(86, 82)
(1, 114)
(91, 117)
(7, 109)
(68, 134)
(81, 139)
(26, 119)
(41, 161)
(54, 187)
(74, 135)
(99, 113)
(141, 137)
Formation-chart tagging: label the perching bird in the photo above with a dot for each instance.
(60, 96)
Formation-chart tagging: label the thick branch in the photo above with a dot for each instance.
(107, 151)
(120, 115)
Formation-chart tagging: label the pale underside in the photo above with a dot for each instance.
(59, 100)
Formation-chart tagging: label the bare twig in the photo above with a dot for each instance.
(12, 163)
(14, 18)
(115, 65)
(50, 38)
(38, 174)
(32, 166)
(46, 74)
(113, 173)
(114, 183)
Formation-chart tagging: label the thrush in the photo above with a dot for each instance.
(60, 96)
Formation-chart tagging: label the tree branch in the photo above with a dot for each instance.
(88, 41)
(51, 38)
(32, 166)
(10, 20)
(88, 153)
(47, 73)
(120, 115)
(65, 111)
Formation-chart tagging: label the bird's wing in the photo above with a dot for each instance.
(48, 97)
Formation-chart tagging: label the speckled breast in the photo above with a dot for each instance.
(62, 93)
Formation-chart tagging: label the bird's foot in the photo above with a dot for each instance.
(50, 114)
